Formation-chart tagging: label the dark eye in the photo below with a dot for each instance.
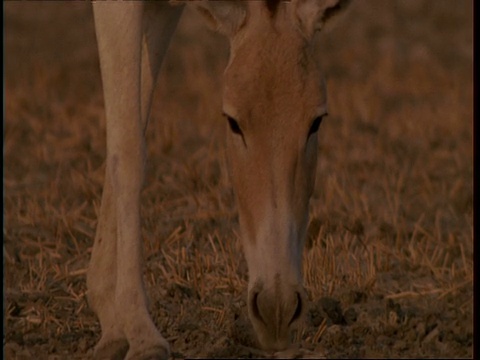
(234, 125)
(315, 125)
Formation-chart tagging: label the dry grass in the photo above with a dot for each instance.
(392, 214)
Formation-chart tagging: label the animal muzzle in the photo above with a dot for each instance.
(274, 310)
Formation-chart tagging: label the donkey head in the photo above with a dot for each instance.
(274, 100)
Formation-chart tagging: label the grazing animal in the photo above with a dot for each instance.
(274, 99)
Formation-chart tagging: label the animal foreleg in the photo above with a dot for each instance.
(115, 280)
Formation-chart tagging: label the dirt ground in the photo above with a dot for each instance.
(389, 262)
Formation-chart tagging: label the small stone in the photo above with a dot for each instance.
(333, 310)
(10, 350)
(350, 316)
(400, 345)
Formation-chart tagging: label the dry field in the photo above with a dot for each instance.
(389, 262)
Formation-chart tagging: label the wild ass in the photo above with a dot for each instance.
(273, 99)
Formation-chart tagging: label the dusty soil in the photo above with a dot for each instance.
(389, 261)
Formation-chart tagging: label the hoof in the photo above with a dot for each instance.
(111, 349)
(158, 352)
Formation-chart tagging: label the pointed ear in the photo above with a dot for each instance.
(313, 14)
(226, 17)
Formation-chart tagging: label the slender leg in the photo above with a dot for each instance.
(115, 282)
(118, 34)
(102, 277)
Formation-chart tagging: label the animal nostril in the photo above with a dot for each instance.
(255, 309)
(298, 309)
